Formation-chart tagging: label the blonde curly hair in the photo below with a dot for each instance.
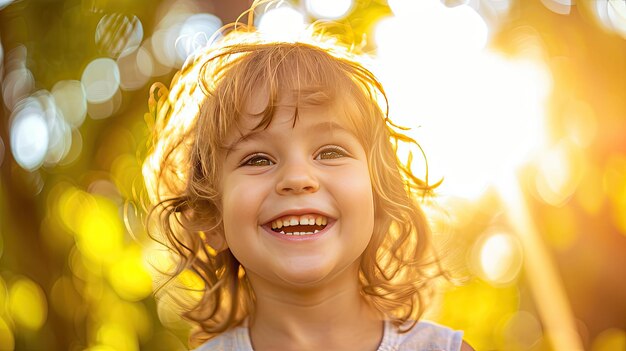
(206, 101)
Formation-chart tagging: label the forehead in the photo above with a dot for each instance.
(262, 110)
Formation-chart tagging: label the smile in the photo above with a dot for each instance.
(299, 225)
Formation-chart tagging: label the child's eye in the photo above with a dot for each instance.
(257, 160)
(331, 153)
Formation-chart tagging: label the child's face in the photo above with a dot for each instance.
(313, 172)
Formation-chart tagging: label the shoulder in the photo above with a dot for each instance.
(227, 341)
(428, 336)
(466, 347)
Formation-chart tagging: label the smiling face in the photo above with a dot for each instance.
(296, 197)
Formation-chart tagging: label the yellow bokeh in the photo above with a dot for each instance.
(489, 305)
(559, 172)
(27, 304)
(100, 231)
(560, 228)
(615, 188)
(128, 277)
(610, 340)
(132, 316)
(500, 257)
(101, 348)
(7, 341)
(118, 337)
(3, 296)
(589, 195)
(71, 203)
(520, 332)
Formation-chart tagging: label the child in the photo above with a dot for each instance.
(275, 181)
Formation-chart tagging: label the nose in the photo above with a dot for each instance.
(297, 178)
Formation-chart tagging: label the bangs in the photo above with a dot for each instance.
(292, 76)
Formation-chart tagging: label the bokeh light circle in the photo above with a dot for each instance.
(135, 69)
(59, 131)
(499, 258)
(101, 79)
(282, 24)
(29, 135)
(163, 44)
(106, 108)
(27, 304)
(118, 35)
(329, 9)
(71, 100)
(195, 33)
(17, 84)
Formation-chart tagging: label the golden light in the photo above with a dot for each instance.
(455, 107)
(479, 116)
(101, 348)
(133, 316)
(451, 29)
(562, 7)
(27, 304)
(522, 331)
(559, 172)
(610, 340)
(614, 185)
(544, 281)
(617, 14)
(581, 123)
(329, 9)
(490, 306)
(282, 24)
(117, 337)
(500, 258)
(128, 277)
(100, 232)
(610, 14)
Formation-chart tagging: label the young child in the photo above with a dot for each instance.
(274, 179)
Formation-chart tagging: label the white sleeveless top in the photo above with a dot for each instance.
(425, 336)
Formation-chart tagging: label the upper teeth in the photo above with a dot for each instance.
(299, 220)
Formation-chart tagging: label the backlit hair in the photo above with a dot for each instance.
(206, 101)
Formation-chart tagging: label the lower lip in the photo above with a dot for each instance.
(300, 237)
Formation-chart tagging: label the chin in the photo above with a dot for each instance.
(301, 275)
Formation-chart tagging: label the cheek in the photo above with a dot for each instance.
(358, 197)
(241, 203)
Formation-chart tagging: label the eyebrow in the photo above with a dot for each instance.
(330, 125)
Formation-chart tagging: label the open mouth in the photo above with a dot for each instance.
(299, 225)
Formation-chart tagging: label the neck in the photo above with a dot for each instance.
(332, 317)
